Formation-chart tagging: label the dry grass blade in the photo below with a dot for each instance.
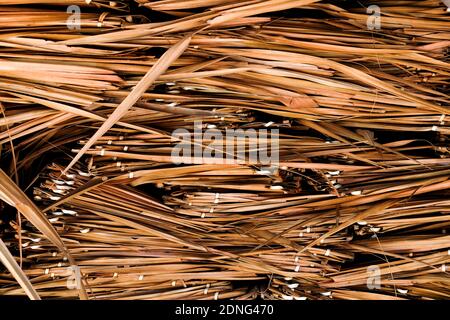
(159, 68)
(11, 193)
(258, 8)
(10, 263)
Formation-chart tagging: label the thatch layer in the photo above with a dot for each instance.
(362, 185)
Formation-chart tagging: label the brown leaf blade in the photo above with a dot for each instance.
(159, 68)
(11, 264)
(11, 194)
